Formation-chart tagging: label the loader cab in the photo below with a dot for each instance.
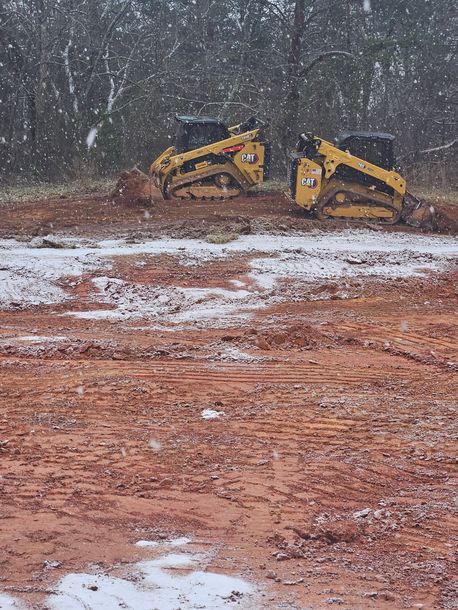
(198, 131)
(375, 147)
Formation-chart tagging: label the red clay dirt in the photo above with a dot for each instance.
(329, 480)
(105, 215)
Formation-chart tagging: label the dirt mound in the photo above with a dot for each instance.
(132, 187)
(294, 542)
(446, 219)
(294, 336)
(332, 532)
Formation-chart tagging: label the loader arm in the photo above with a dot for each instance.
(216, 148)
(157, 162)
(335, 157)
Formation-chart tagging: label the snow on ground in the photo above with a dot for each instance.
(38, 339)
(166, 582)
(156, 543)
(231, 353)
(31, 275)
(157, 588)
(9, 603)
(170, 303)
(211, 414)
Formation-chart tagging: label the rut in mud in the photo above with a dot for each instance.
(283, 404)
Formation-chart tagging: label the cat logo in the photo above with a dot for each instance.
(249, 158)
(310, 182)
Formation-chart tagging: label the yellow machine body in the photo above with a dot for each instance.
(308, 183)
(221, 169)
(334, 183)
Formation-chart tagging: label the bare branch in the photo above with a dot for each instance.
(307, 69)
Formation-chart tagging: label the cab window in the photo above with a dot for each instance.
(191, 136)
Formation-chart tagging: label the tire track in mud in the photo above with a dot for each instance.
(182, 372)
(400, 339)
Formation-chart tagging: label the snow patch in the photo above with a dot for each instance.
(231, 353)
(9, 603)
(154, 445)
(155, 543)
(157, 588)
(211, 414)
(30, 276)
(171, 303)
(167, 582)
(35, 276)
(40, 339)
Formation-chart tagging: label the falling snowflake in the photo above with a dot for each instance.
(91, 136)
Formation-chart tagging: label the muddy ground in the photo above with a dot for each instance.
(307, 441)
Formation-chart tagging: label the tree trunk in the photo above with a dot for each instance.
(292, 97)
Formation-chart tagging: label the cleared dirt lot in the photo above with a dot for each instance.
(302, 430)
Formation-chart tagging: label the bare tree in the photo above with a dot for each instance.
(120, 69)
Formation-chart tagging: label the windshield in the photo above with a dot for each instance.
(191, 136)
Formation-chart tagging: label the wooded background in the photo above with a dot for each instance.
(118, 71)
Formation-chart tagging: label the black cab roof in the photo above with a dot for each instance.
(198, 120)
(366, 135)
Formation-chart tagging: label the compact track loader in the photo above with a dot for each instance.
(354, 179)
(212, 161)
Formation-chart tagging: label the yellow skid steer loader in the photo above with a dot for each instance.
(354, 179)
(212, 161)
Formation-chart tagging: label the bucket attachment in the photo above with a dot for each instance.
(417, 213)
